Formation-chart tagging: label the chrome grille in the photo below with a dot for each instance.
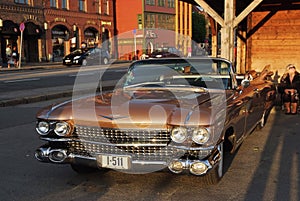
(117, 136)
(137, 153)
(146, 145)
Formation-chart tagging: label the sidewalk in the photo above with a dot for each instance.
(47, 65)
(37, 65)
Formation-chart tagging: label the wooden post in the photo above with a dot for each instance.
(214, 37)
(241, 54)
(229, 23)
(227, 31)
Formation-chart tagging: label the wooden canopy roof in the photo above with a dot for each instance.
(265, 5)
(230, 14)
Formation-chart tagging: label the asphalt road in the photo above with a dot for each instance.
(32, 85)
(266, 167)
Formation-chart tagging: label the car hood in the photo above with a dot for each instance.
(72, 55)
(135, 109)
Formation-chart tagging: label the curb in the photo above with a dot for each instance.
(39, 98)
(50, 65)
(34, 99)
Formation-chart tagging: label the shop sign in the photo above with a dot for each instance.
(130, 41)
(59, 19)
(30, 17)
(89, 34)
(91, 22)
(106, 23)
(58, 33)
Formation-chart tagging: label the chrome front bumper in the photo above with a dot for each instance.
(182, 165)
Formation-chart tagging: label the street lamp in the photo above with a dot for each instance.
(45, 26)
(46, 46)
(74, 27)
(1, 23)
(75, 36)
(103, 41)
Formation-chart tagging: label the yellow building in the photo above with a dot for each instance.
(183, 26)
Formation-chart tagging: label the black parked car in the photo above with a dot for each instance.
(77, 57)
(91, 56)
(98, 56)
(166, 52)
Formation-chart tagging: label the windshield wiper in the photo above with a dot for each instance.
(170, 87)
(187, 87)
(146, 84)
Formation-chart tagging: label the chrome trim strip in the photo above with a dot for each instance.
(72, 156)
(101, 143)
(136, 145)
(138, 162)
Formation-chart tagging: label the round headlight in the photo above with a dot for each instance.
(43, 127)
(62, 128)
(179, 135)
(200, 135)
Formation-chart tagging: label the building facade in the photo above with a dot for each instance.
(12, 14)
(53, 28)
(146, 25)
(72, 24)
(183, 26)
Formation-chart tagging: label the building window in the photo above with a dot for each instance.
(162, 3)
(150, 2)
(53, 4)
(149, 20)
(21, 1)
(171, 4)
(98, 6)
(82, 6)
(165, 21)
(106, 7)
(64, 4)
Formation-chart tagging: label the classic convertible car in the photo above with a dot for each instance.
(175, 113)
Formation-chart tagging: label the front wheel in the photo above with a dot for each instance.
(215, 175)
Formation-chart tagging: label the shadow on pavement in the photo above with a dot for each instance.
(278, 171)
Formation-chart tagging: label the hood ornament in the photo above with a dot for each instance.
(113, 117)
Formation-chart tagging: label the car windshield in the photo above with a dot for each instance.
(78, 51)
(208, 73)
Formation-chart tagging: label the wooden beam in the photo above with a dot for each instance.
(246, 12)
(227, 31)
(210, 11)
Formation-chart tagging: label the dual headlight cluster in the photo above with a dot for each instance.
(199, 135)
(61, 128)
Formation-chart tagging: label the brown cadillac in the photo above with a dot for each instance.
(175, 113)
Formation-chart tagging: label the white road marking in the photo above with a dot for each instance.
(81, 74)
(122, 70)
(22, 80)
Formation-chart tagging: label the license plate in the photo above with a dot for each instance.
(114, 161)
(67, 60)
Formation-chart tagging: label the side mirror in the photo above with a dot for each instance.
(245, 83)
